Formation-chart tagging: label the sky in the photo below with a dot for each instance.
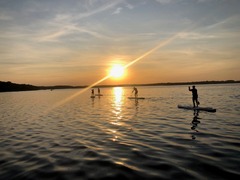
(75, 42)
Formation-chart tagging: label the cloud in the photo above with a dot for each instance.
(71, 23)
(56, 23)
(195, 36)
(102, 8)
(117, 11)
(175, 1)
(68, 30)
(165, 1)
(54, 36)
(230, 22)
(129, 6)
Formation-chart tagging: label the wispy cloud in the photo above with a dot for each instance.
(129, 6)
(166, 1)
(68, 30)
(195, 35)
(176, 1)
(54, 36)
(69, 24)
(230, 22)
(117, 11)
(96, 10)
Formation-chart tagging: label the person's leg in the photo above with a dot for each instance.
(193, 100)
(196, 102)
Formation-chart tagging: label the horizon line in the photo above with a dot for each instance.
(154, 83)
(136, 84)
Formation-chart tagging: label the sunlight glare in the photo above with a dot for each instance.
(112, 72)
(117, 71)
(118, 93)
(117, 106)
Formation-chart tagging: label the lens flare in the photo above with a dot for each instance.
(117, 71)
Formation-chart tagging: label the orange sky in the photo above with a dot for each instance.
(75, 43)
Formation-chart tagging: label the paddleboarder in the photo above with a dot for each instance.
(136, 92)
(194, 96)
(99, 91)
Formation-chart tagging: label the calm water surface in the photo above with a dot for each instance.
(60, 135)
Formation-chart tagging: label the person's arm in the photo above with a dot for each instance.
(189, 88)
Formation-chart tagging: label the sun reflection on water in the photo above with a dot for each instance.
(118, 101)
(118, 92)
(117, 110)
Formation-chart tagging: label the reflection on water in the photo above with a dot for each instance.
(117, 109)
(114, 137)
(136, 104)
(118, 101)
(118, 93)
(92, 101)
(195, 123)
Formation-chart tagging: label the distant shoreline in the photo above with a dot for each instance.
(13, 87)
(173, 83)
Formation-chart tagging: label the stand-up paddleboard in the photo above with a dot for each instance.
(98, 95)
(136, 98)
(208, 109)
(92, 96)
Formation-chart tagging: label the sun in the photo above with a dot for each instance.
(117, 71)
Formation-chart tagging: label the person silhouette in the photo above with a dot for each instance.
(194, 96)
(136, 92)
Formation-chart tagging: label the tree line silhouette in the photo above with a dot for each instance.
(9, 86)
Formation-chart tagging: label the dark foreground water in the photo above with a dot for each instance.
(60, 135)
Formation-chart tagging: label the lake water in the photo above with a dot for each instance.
(64, 134)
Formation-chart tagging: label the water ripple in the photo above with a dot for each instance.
(114, 137)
